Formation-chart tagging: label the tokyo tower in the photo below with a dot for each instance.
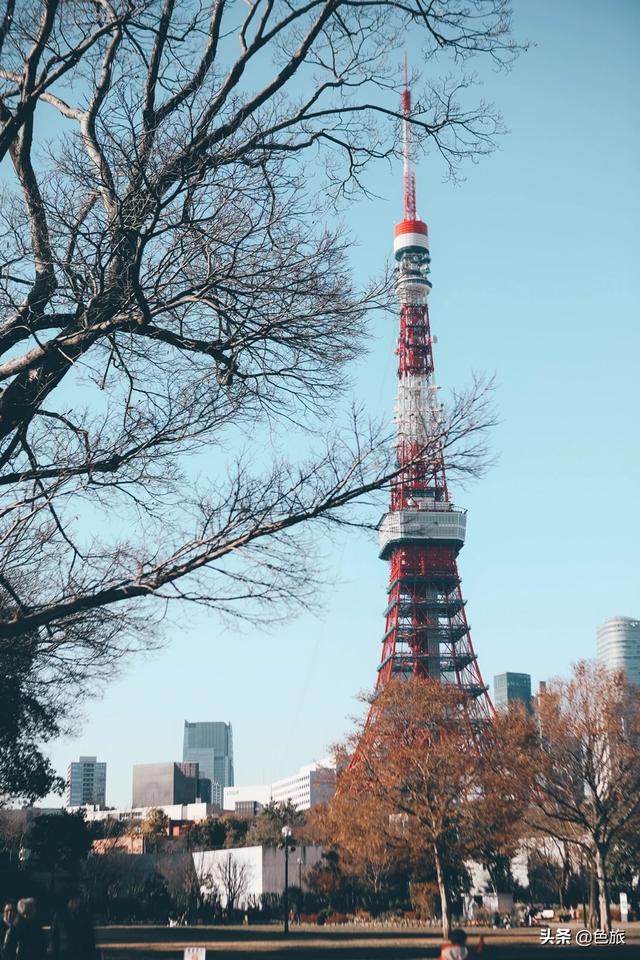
(426, 631)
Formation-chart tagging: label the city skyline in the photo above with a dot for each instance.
(500, 699)
(532, 263)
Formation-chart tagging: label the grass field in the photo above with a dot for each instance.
(326, 943)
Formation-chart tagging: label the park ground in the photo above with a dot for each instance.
(344, 943)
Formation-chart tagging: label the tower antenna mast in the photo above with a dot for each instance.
(409, 171)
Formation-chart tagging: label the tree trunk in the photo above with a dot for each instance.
(564, 884)
(593, 913)
(566, 876)
(444, 898)
(603, 889)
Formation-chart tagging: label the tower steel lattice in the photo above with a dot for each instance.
(426, 633)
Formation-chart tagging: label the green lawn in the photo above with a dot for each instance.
(327, 943)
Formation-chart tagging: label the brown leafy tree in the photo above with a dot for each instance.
(370, 850)
(497, 811)
(172, 278)
(327, 883)
(444, 786)
(154, 828)
(587, 767)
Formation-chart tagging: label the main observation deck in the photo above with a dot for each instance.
(441, 526)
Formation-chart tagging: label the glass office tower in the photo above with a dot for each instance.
(86, 782)
(210, 745)
(508, 687)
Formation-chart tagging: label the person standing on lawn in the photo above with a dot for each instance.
(24, 939)
(455, 948)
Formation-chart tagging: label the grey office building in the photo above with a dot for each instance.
(509, 687)
(164, 784)
(210, 745)
(86, 783)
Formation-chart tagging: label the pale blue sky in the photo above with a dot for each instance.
(534, 266)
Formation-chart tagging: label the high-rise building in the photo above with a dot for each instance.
(509, 687)
(619, 646)
(86, 783)
(164, 784)
(210, 745)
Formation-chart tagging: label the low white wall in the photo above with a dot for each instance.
(262, 868)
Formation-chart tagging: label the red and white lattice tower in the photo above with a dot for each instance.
(427, 633)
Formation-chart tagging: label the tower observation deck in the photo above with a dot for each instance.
(426, 633)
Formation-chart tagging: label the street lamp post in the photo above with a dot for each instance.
(287, 845)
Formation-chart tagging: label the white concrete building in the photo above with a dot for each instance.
(483, 895)
(259, 793)
(185, 811)
(255, 871)
(312, 784)
(619, 646)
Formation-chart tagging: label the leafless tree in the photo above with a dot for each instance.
(586, 791)
(231, 880)
(173, 281)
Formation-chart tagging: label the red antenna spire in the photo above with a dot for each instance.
(409, 173)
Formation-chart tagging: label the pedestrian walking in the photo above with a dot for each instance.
(8, 916)
(25, 939)
(72, 936)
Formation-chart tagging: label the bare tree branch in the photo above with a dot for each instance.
(177, 303)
